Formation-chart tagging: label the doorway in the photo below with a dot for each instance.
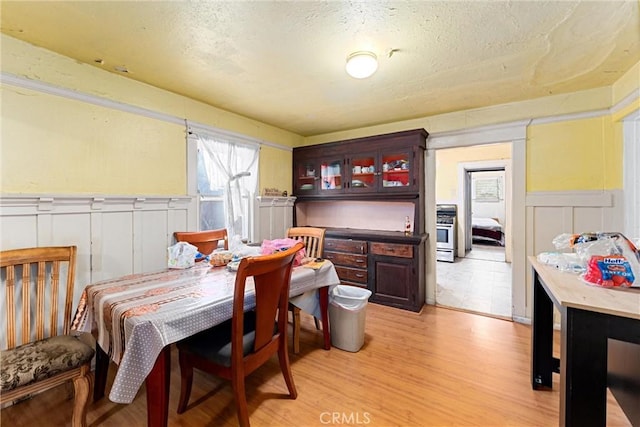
(480, 278)
(485, 208)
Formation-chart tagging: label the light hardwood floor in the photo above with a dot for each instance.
(438, 368)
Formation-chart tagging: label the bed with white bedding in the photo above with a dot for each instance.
(487, 231)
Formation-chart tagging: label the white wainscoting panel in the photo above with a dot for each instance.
(550, 214)
(115, 235)
(273, 216)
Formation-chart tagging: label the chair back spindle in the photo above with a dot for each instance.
(312, 237)
(33, 278)
(38, 357)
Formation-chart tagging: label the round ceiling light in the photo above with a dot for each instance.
(361, 65)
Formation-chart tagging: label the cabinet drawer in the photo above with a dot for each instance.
(392, 249)
(352, 274)
(346, 245)
(350, 260)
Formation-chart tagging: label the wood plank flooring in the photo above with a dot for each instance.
(438, 368)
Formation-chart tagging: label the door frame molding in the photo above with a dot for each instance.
(515, 133)
(464, 201)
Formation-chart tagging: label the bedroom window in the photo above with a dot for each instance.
(487, 189)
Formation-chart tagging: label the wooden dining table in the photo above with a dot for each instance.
(135, 318)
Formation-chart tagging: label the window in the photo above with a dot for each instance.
(487, 189)
(227, 176)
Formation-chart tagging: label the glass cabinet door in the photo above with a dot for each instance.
(307, 177)
(331, 176)
(396, 170)
(364, 173)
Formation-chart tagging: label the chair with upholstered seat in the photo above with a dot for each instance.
(313, 238)
(206, 241)
(38, 352)
(234, 349)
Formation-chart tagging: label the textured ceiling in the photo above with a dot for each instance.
(282, 63)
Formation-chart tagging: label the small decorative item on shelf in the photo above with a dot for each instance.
(407, 226)
(271, 192)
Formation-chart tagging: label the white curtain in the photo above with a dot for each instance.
(232, 168)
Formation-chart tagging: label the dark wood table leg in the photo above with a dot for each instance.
(102, 368)
(542, 362)
(157, 383)
(583, 368)
(324, 309)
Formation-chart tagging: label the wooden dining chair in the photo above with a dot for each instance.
(234, 349)
(206, 241)
(40, 355)
(313, 239)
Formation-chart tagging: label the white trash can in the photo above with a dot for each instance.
(347, 312)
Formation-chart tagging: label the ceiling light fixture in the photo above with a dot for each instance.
(361, 65)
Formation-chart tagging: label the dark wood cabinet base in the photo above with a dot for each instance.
(389, 264)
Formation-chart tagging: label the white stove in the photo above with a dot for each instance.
(446, 225)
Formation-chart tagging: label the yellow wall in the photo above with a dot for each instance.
(447, 161)
(51, 144)
(56, 145)
(275, 168)
(574, 155)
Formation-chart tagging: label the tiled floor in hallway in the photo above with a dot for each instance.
(480, 282)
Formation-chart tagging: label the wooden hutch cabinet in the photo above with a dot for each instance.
(385, 168)
(376, 165)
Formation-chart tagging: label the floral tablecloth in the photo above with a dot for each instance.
(135, 316)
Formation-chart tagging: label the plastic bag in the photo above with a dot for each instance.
(235, 243)
(609, 258)
(181, 255)
(349, 297)
(563, 261)
(272, 246)
(609, 271)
